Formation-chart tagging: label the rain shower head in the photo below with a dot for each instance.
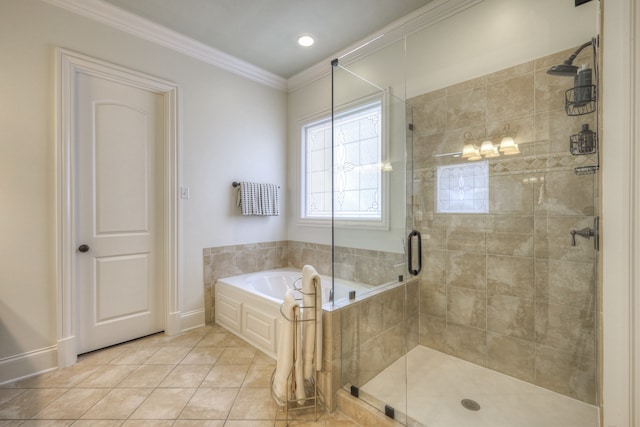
(564, 69)
(567, 68)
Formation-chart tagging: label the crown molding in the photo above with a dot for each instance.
(426, 16)
(122, 20)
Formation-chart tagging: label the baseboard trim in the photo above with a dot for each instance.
(28, 364)
(67, 351)
(192, 319)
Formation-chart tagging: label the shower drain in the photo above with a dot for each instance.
(471, 405)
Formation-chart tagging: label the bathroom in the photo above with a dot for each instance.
(209, 231)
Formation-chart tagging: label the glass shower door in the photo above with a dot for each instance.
(372, 174)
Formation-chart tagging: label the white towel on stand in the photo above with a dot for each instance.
(289, 354)
(312, 314)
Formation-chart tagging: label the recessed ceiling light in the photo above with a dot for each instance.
(305, 41)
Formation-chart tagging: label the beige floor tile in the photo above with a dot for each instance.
(107, 376)
(119, 404)
(237, 356)
(263, 359)
(97, 423)
(226, 376)
(259, 376)
(10, 423)
(223, 339)
(47, 423)
(28, 403)
(199, 423)
(6, 394)
(72, 404)
(187, 339)
(134, 356)
(148, 423)
(168, 356)
(164, 404)
(186, 376)
(253, 404)
(202, 356)
(249, 423)
(101, 357)
(59, 378)
(210, 404)
(149, 376)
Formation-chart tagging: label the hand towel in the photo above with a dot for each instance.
(258, 199)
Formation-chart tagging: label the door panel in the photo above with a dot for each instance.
(121, 171)
(117, 276)
(118, 204)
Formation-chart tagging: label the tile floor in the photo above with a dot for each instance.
(205, 377)
(438, 382)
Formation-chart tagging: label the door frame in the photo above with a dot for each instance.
(68, 65)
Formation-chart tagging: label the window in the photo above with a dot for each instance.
(463, 188)
(357, 165)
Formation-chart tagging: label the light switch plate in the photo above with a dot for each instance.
(185, 192)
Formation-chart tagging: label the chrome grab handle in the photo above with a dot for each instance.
(410, 239)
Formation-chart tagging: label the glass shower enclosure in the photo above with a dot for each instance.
(462, 208)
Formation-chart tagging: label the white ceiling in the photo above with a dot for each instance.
(265, 32)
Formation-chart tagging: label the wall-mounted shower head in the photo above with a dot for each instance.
(567, 68)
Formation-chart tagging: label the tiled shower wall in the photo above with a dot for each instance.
(360, 265)
(506, 290)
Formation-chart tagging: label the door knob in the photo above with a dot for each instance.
(83, 248)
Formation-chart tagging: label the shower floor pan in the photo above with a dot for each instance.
(438, 383)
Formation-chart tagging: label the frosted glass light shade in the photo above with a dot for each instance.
(469, 150)
(486, 147)
(507, 143)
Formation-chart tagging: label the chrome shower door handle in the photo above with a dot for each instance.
(414, 235)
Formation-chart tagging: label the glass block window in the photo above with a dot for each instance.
(463, 188)
(357, 165)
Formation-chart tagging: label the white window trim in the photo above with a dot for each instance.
(363, 224)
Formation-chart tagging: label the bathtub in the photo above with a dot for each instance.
(249, 304)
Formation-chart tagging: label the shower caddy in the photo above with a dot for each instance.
(314, 398)
(580, 100)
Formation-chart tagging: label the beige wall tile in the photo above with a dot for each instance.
(566, 329)
(467, 343)
(511, 356)
(565, 193)
(433, 299)
(510, 235)
(510, 98)
(566, 373)
(510, 194)
(566, 283)
(511, 316)
(466, 307)
(466, 270)
(466, 108)
(433, 332)
(507, 275)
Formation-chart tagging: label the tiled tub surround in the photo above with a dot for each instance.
(506, 290)
(358, 265)
(355, 264)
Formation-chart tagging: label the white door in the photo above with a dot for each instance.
(117, 178)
